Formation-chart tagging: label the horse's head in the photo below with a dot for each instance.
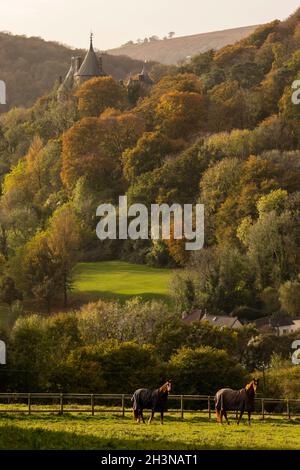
(255, 384)
(167, 387)
(251, 387)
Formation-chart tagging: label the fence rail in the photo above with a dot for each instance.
(61, 403)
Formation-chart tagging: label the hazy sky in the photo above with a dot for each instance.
(115, 22)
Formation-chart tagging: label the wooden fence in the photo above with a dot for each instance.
(61, 403)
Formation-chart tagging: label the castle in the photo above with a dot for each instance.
(90, 67)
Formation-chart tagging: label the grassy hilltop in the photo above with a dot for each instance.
(171, 51)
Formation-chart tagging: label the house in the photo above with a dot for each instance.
(290, 328)
(220, 321)
(278, 325)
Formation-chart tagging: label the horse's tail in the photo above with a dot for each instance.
(218, 401)
(135, 405)
(218, 416)
(134, 401)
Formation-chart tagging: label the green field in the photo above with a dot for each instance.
(115, 432)
(112, 280)
(120, 280)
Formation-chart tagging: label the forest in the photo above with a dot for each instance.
(220, 130)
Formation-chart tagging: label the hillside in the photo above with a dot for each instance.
(222, 129)
(30, 66)
(171, 51)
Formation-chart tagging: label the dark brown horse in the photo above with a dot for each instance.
(155, 400)
(242, 400)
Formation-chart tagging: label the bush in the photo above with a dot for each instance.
(283, 382)
(113, 367)
(204, 370)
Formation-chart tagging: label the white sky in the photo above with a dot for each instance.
(115, 22)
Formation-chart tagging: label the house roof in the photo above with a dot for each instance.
(273, 322)
(195, 315)
(216, 320)
(220, 320)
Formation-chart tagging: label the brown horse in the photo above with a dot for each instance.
(242, 400)
(155, 400)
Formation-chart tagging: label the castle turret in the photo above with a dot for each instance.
(81, 71)
(91, 66)
(144, 76)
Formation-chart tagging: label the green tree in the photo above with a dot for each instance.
(148, 154)
(8, 291)
(98, 94)
(289, 296)
(180, 114)
(63, 238)
(204, 370)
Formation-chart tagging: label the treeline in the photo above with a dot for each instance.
(221, 130)
(110, 348)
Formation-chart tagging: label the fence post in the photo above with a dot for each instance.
(61, 404)
(263, 408)
(123, 405)
(92, 404)
(209, 409)
(29, 403)
(181, 406)
(288, 408)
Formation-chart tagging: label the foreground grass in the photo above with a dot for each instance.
(120, 280)
(115, 432)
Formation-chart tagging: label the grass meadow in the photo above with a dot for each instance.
(109, 432)
(110, 280)
(119, 280)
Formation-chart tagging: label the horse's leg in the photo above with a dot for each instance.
(221, 416)
(142, 415)
(225, 414)
(241, 415)
(151, 417)
(249, 418)
(161, 417)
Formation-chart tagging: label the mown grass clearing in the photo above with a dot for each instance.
(114, 432)
(120, 280)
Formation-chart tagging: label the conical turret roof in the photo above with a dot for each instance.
(90, 66)
(144, 76)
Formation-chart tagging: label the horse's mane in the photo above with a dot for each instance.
(250, 389)
(163, 388)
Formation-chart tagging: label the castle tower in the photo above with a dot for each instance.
(81, 71)
(144, 76)
(91, 66)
